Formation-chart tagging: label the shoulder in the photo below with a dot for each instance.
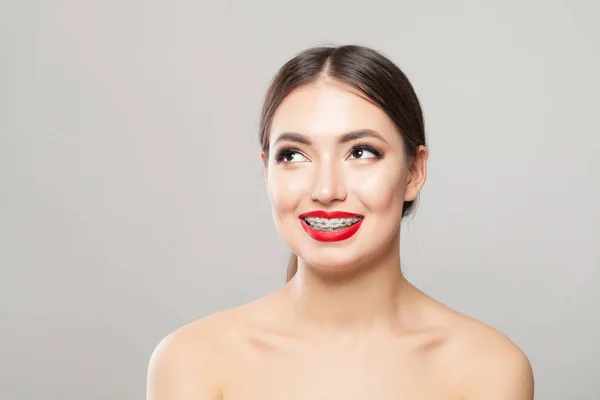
(195, 360)
(187, 363)
(486, 364)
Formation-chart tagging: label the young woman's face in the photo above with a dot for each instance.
(333, 151)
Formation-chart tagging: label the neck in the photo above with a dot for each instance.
(349, 303)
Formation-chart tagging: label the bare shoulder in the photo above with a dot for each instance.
(485, 363)
(188, 362)
(192, 361)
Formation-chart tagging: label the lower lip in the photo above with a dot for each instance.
(336, 236)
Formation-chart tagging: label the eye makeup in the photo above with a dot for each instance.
(284, 152)
(366, 147)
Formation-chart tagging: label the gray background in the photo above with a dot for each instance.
(132, 199)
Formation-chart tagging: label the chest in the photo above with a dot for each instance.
(338, 373)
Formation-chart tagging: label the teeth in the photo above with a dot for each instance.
(327, 224)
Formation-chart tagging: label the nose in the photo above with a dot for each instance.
(329, 183)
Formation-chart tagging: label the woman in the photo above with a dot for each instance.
(344, 156)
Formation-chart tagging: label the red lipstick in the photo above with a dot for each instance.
(333, 236)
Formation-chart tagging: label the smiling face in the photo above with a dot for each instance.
(332, 150)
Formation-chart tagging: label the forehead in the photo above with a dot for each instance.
(325, 109)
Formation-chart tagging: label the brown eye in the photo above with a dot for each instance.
(289, 156)
(361, 153)
(292, 157)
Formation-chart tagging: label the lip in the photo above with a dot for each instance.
(328, 214)
(330, 236)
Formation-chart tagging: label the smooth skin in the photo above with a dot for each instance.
(348, 325)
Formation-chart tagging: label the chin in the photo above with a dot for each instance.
(333, 261)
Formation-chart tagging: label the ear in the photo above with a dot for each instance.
(263, 159)
(417, 174)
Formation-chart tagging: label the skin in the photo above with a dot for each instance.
(348, 325)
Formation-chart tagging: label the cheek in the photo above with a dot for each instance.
(381, 191)
(286, 189)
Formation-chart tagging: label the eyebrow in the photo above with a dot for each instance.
(344, 138)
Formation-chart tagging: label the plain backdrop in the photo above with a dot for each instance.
(132, 199)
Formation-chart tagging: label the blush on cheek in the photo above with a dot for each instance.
(380, 192)
(286, 193)
(286, 197)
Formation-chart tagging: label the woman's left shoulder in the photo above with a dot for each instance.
(487, 363)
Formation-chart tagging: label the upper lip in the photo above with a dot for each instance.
(328, 214)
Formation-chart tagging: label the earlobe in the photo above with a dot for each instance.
(410, 192)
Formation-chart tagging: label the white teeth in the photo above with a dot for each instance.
(329, 224)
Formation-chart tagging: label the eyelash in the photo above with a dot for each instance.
(287, 150)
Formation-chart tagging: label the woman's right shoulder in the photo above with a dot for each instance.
(186, 363)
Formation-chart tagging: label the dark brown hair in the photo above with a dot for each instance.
(369, 72)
